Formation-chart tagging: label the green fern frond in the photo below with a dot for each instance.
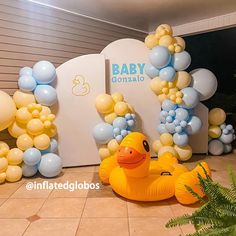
(228, 194)
(178, 221)
(232, 179)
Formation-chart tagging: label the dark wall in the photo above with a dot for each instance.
(216, 51)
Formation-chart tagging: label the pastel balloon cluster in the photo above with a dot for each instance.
(119, 121)
(220, 135)
(38, 80)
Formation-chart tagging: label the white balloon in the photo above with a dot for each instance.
(216, 147)
(205, 82)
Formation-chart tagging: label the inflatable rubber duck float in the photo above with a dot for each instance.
(133, 175)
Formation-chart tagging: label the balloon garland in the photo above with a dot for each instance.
(30, 120)
(220, 135)
(178, 91)
(119, 121)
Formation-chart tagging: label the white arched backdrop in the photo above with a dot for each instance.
(119, 68)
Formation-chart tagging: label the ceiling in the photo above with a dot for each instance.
(146, 14)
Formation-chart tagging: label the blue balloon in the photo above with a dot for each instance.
(169, 119)
(194, 125)
(161, 129)
(159, 57)
(26, 71)
(116, 131)
(176, 122)
(168, 105)
(190, 97)
(128, 116)
(181, 114)
(27, 83)
(119, 138)
(44, 72)
(172, 113)
(50, 165)
(103, 133)
(45, 95)
(120, 122)
(225, 131)
(124, 132)
(170, 127)
(223, 126)
(168, 73)
(181, 60)
(151, 71)
(178, 129)
(229, 127)
(130, 123)
(227, 148)
(29, 171)
(53, 147)
(32, 156)
(180, 139)
(226, 138)
(183, 123)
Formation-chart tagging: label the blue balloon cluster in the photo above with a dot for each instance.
(121, 126)
(46, 162)
(37, 80)
(178, 121)
(165, 65)
(227, 134)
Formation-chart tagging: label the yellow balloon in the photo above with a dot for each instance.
(16, 129)
(157, 145)
(180, 41)
(113, 146)
(166, 40)
(110, 117)
(23, 99)
(15, 156)
(2, 177)
(35, 127)
(42, 141)
(214, 131)
(45, 111)
(51, 132)
(117, 97)
(3, 164)
(104, 103)
(166, 139)
(104, 152)
(156, 85)
(216, 116)
(7, 109)
(163, 29)
(13, 173)
(165, 149)
(4, 149)
(121, 108)
(23, 116)
(151, 41)
(184, 153)
(183, 79)
(24, 142)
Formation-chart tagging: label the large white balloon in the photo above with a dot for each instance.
(205, 82)
(216, 147)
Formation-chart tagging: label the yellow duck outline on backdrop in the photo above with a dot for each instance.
(133, 175)
(79, 80)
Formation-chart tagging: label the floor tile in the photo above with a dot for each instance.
(62, 208)
(20, 208)
(7, 189)
(103, 226)
(105, 207)
(80, 169)
(156, 209)
(151, 226)
(13, 227)
(53, 227)
(187, 229)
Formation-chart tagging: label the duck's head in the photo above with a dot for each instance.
(134, 154)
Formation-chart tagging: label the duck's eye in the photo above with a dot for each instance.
(146, 145)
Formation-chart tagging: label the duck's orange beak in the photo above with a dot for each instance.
(129, 158)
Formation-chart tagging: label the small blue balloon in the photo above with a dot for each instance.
(223, 126)
(45, 95)
(172, 113)
(128, 116)
(26, 71)
(119, 138)
(159, 57)
(168, 105)
(44, 72)
(190, 97)
(27, 83)
(151, 71)
(116, 131)
(181, 114)
(133, 116)
(180, 139)
(161, 129)
(194, 125)
(167, 74)
(225, 131)
(227, 148)
(53, 147)
(229, 127)
(103, 133)
(29, 171)
(169, 119)
(178, 129)
(181, 60)
(176, 122)
(164, 113)
(130, 123)
(124, 132)
(50, 165)
(120, 122)
(183, 123)
(170, 127)
(32, 156)
(226, 138)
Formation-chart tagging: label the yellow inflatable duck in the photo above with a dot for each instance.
(134, 176)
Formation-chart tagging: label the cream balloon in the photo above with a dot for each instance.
(157, 145)
(113, 146)
(15, 156)
(183, 79)
(42, 141)
(180, 41)
(23, 116)
(13, 173)
(23, 99)
(2, 177)
(156, 85)
(216, 116)
(16, 129)
(4, 149)
(3, 164)
(104, 103)
(104, 152)
(117, 97)
(24, 142)
(165, 149)
(184, 153)
(110, 117)
(121, 108)
(214, 131)
(166, 139)
(151, 41)
(8, 110)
